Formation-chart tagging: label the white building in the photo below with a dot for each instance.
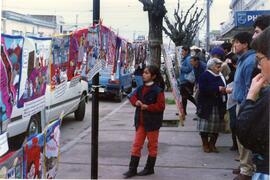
(30, 25)
(244, 11)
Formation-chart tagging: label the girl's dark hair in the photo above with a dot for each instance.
(154, 70)
(262, 44)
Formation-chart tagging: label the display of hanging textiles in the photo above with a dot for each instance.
(34, 157)
(123, 51)
(36, 55)
(6, 96)
(130, 54)
(12, 56)
(59, 63)
(117, 53)
(52, 149)
(112, 48)
(11, 165)
(140, 53)
(104, 42)
(77, 53)
(93, 51)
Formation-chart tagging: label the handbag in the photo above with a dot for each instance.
(190, 77)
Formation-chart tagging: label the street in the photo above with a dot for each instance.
(71, 128)
(180, 154)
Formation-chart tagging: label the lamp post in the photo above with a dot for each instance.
(95, 106)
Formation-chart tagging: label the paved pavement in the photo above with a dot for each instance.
(180, 153)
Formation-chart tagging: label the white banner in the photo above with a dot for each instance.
(174, 85)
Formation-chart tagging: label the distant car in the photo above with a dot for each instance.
(114, 84)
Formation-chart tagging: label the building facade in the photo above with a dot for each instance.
(243, 11)
(29, 25)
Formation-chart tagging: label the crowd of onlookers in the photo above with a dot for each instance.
(234, 82)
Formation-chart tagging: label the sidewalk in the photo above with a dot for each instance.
(180, 153)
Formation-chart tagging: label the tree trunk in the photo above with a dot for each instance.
(155, 38)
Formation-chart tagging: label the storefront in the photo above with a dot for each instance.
(242, 21)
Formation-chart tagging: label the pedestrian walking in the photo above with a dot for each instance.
(187, 79)
(253, 120)
(242, 80)
(149, 101)
(138, 74)
(211, 105)
(199, 68)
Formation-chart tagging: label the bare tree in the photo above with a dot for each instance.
(156, 12)
(185, 27)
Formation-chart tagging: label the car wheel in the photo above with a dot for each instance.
(119, 96)
(80, 112)
(129, 90)
(34, 126)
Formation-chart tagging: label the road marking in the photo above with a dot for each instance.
(71, 143)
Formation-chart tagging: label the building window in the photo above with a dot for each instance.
(16, 32)
(40, 34)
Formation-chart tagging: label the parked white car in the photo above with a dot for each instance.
(72, 100)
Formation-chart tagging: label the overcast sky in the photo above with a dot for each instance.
(125, 16)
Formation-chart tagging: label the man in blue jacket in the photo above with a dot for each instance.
(187, 78)
(242, 80)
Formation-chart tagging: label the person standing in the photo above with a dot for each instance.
(242, 80)
(253, 121)
(211, 105)
(149, 101)
(259, 25)
(186, 78)
(231, 60)
(199, 68)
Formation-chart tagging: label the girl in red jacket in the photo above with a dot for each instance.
(149, 101)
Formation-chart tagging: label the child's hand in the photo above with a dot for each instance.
(144, 106)
(138, 103)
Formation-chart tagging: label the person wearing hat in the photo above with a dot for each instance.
(219, 53)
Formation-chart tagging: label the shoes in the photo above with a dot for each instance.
(237, 158)
(236, 171)
(195, 119)
(234, 148)
(242, 177)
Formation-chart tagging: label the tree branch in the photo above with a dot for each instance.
(147, 5)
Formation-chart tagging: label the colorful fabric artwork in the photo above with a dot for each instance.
(93, 52)
(36, 54)
(77, 53)
(34, 157)
(111, 48)
(6, 96)
(140, 52)
(11, 54)
(52, 149)
(11, 165)
(60, 56)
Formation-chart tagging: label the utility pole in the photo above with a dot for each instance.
(95, 105)
(77, 16)
(207, 24)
